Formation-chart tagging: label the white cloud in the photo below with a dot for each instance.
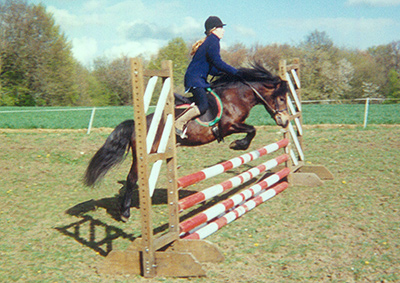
(358, 33)
(93, 5)
(141, 29)
(135, 7)
(67, 20)
(187, 28)
(64, 18)
(152, 11)
(129, 27)
(375, 3)
(364, 25)
(145, 47)
(84, 49)
(244, 31)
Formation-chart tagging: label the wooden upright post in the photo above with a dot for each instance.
(286, 134)
(148, 251)
(152, 255)
(295, 67)
(303, 175)
(172, 185)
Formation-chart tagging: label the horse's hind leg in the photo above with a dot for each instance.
(131, 180)
(243, 144)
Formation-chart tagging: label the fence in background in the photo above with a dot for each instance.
(97, 117)
(107, 117)
(357, 100)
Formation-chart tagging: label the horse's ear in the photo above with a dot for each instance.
(284, 86)
(281, 89)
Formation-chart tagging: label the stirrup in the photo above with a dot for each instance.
(217, 133)
(181, 134)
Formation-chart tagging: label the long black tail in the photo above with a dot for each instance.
(111, 153)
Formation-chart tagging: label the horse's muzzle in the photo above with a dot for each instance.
(282, 119)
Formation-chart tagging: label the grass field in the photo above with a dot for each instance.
(53, 229)
(66, 118)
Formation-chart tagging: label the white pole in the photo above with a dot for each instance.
(149, 93)
(155, 170)
(296, 78)
(296, 141)
(366, 112)
(293, 111)
(91, 120)
(157, 114)
(293, 91)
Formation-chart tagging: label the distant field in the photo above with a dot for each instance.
(78, 118)
(62, 117)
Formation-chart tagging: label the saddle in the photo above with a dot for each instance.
(211, 117)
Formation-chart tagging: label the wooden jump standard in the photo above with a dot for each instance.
(176, 253)
(302, 174)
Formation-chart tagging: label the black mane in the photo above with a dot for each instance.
(256, 73)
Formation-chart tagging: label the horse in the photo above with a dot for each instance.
(239, 94)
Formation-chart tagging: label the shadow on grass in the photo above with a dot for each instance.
(102, 246)
(88, 230)
(111, 204)
(98, 235)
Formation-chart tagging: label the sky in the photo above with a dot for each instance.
(113, 28)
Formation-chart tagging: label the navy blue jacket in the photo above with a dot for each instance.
(206, 61)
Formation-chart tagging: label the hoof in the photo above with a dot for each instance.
(239, 145)
(124, 218)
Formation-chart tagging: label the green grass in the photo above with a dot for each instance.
(53, 229)
(50, 118)
(351, 114)
(61, 117)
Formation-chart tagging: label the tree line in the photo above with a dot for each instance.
(37, 67)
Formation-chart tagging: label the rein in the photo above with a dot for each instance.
(266, 104)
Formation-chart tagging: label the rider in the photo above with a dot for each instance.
(206, 61)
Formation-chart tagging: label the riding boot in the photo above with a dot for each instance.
(181, 122)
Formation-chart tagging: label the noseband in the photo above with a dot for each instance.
(265, 102)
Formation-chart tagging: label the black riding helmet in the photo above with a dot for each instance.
(212, 22)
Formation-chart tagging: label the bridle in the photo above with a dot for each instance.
(266, 104)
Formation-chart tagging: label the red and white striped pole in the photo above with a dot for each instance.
(233, 182)
(217, 169)
(217, 224)
(231, 202)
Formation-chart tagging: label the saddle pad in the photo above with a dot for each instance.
(213, 113)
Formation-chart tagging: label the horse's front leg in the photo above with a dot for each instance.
(243, 144)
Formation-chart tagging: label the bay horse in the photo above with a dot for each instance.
(256, 85)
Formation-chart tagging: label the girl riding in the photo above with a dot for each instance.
(206, 61)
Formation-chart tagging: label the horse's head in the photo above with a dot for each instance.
(272, 91)
(273, 97)
(277, 104)
(267, 88)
